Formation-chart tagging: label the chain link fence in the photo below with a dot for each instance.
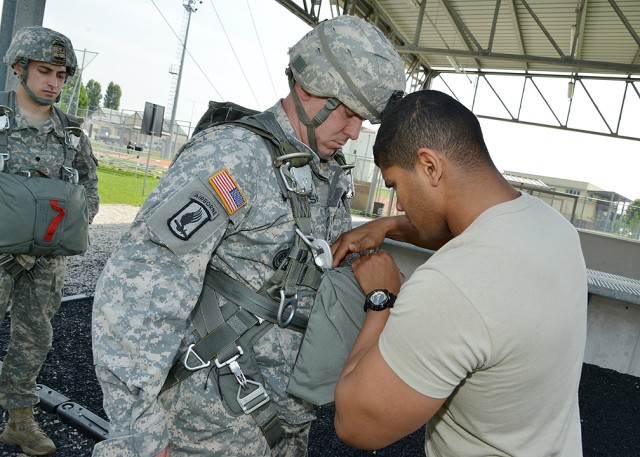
(621, 219)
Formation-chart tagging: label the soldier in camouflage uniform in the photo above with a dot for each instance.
(340, 73)
(42, 59)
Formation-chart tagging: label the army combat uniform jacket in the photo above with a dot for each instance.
(219, 204)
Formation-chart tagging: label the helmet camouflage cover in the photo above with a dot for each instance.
(351, 60)
(43, 45)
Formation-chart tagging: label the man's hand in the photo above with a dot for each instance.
(377, 271)
(367, 236)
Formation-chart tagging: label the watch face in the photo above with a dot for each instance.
(379, 298)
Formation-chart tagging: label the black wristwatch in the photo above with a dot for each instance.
(379, 299)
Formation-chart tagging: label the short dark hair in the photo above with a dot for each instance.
(434, 120)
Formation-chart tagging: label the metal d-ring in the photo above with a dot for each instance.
(284, 304)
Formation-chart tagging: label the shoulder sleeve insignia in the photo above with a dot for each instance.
(192, 216)
(228, 190)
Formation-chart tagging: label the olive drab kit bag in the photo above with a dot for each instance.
(331, 328)
(41, 216)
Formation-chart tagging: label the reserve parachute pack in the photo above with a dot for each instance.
(41, 216)
(329, 331)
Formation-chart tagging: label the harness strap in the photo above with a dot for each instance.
(223, 332)
(300, 269)
(7, 99)
(15, 269)
(218, 333)
(67, 120)
(256, 304)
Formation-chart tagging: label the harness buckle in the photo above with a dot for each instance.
(72, 136)
(11, 265)
(286, 302)
(5, 259)
(254, 399)
(351, 191)
(232, 362)
(320, 250)
(190, 353)
(296, 179)
(5, 117)
(69, 174)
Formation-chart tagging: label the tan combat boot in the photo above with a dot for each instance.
(22, 430)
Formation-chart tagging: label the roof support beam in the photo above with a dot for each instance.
(578, 34)
(496, 11)
(419, 22)
(461, 29)
(543, 28)
(516, 27)
(571, 65)
(625, 21)
(307, 14)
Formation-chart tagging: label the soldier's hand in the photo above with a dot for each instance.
(377, 271)
(367, 236)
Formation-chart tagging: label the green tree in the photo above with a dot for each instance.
(634, 210)
(633, 218)
(83, 102)
(94, 92)
(112, 96)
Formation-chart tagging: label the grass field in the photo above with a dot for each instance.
(120, 187)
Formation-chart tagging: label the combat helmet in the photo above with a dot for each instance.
(349, 61)
(40, 44)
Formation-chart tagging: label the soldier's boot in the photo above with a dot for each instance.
(23, 430)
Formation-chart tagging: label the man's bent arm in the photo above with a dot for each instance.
(374, 407)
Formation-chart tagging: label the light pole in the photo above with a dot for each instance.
(189, 6)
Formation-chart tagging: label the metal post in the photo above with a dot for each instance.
(189, 6)
(15, 15)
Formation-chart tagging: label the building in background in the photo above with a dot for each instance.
(586, 205)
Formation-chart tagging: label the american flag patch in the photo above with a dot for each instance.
(228, 191)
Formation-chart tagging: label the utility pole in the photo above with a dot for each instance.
(189, 6)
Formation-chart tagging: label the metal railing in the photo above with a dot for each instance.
(117, 159)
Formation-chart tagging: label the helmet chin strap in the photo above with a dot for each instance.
(322, 115)
(39, 100)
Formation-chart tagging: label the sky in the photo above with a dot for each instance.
(237, 51)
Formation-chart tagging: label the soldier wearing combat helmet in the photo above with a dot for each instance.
(40, 44)
(37, 139)
(226, 255)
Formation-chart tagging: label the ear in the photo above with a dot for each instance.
(17, 68)
(431, 164)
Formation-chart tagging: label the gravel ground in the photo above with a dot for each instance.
(609, 401)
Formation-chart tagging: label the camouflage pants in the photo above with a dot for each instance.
(201, 425)
(34, 302)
